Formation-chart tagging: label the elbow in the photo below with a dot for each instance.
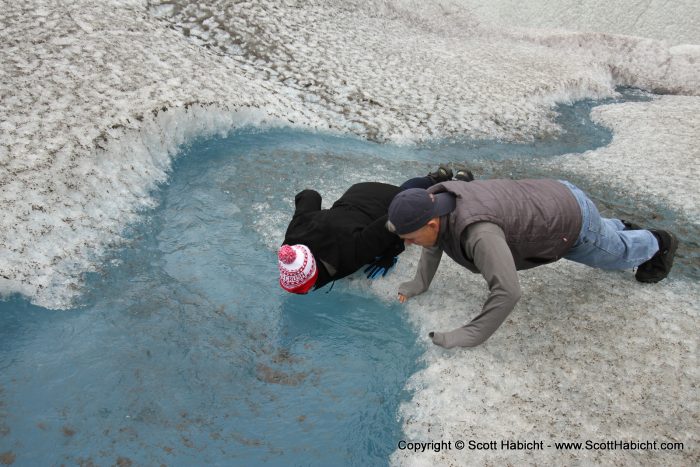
(515, 295)
(308, 197)
(511, 293)
(508, 298)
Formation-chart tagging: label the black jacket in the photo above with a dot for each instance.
(347, 236)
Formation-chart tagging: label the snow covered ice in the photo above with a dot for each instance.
(98, 96)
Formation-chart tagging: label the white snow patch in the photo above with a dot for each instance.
(655, 152)
(586, 355)
(675, 23)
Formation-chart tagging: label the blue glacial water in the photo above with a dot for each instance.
(185, 351)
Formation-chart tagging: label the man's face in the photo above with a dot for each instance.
(425, 236)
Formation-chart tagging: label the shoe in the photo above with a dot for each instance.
(630, 225)
(442, 174)
(658, 267)
(463, 173)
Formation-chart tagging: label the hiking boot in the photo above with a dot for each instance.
(463, 173)
(630, 225)
(658, 267)
(442, 174)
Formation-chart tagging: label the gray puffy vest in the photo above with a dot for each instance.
(541, 219)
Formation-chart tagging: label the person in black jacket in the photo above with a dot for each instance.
(323, 245)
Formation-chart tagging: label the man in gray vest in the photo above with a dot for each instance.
(496, 227)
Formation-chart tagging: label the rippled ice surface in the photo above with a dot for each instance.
(186, 352)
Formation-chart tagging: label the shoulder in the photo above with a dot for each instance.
(484, 228)
(481, 233)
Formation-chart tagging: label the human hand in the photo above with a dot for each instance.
(439, 338)
(380, 266)
(402, 298)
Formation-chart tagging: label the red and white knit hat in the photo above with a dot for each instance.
(297, 267)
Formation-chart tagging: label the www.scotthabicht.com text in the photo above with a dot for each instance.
(538, 445)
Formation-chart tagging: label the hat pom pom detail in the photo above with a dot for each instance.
(287, 254)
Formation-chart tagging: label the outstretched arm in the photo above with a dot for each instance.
(486, 244)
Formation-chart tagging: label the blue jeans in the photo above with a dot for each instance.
(603, 243)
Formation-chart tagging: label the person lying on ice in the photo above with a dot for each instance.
(497, 227)
(323, 245)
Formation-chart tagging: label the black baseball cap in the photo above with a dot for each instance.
(413, 208)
